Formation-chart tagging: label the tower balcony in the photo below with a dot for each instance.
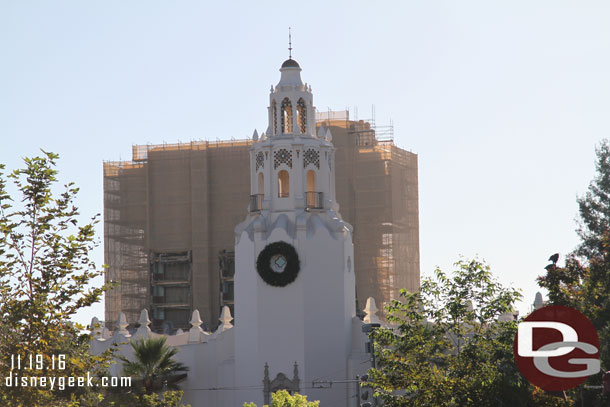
(256, 203)
(314, 200)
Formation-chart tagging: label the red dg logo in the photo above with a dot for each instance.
(556, 348)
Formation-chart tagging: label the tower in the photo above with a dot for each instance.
(294, 282)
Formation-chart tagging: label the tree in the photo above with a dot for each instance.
(154, 366)
(583, 282)
(166, 399)
(45, 269)
(169, 398)
(594, 207)
(284, 399)
(450, 344)
(592, 290)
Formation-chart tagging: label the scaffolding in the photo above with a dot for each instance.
(226, 268)
(124, 238)
(367, 132)
(172, 199)
(377, 189)
(170, 282)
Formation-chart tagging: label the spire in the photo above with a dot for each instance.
(295, 373)
(321, 132)
(290, 63)
(289, 44)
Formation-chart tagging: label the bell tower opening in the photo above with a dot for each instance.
(286, 116)
(302, 116)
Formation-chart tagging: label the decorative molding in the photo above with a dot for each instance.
(281, 382)
(260, 160)
(311, 156)
(282, 156)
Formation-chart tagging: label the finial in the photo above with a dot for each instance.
(225, 319)
(321, 132)
(144, 321)
(538, 302)
(370, 311)
(96, 327)
(143, 330)
(122, 324)
(295, 373)
(196, 319)
(196, 334)
(289, 44)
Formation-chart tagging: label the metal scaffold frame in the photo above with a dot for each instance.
(188, 197)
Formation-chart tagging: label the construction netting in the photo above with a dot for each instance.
(188, 198)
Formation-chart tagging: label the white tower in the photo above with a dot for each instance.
(294, 282)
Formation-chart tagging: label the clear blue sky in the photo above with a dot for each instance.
(503, 101)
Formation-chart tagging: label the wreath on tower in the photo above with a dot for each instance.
(278, 264)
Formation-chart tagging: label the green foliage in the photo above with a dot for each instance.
(154, 366)
(565, 283)
(594, 207)
(45, 267)
(284, 399)
(447, 346)
(169, 398)
(583, 282)
(155, 374)
(591, 292)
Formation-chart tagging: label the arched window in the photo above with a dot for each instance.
(311, 181)
(283, 184)
(261, 184)
(274, 112)
(313, 199)
(302, 115)
(286, 116)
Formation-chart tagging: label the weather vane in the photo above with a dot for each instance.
(289, 44)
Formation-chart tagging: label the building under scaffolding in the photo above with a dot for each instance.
(169, 216)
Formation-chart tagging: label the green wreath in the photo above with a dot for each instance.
(285, 266)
